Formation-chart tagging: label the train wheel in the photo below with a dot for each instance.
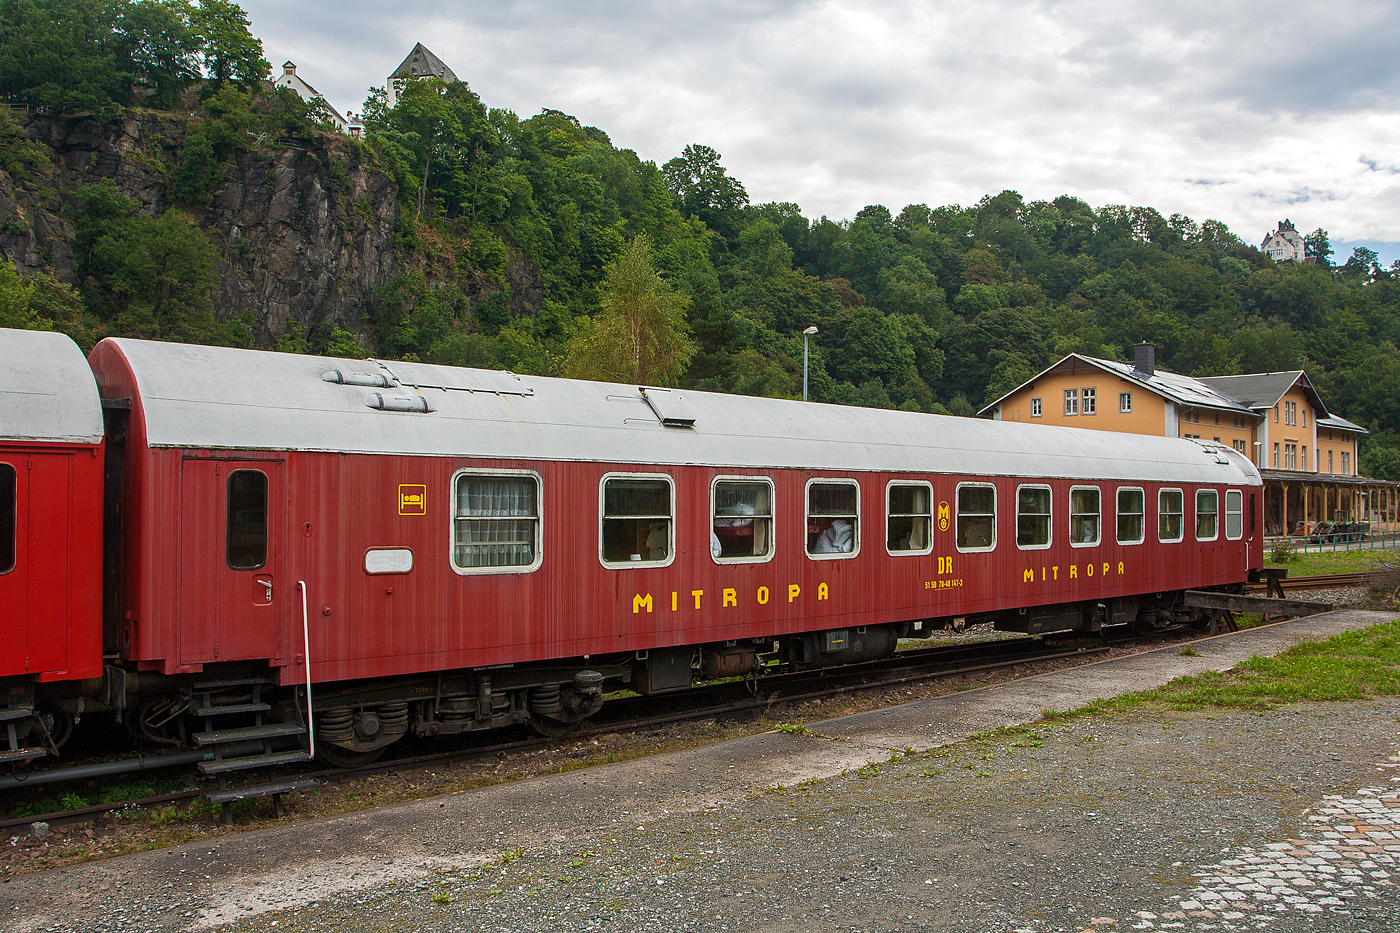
(339, 757)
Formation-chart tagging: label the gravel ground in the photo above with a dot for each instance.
(1111, 823)
(1225, 821)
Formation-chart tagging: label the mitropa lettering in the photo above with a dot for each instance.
(729, 597)
(1051, 573)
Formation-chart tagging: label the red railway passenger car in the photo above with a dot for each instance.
(51, 445)
(443, 549)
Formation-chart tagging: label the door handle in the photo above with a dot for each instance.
(267, 584)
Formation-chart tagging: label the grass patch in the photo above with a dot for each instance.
(1315, 565)
(792, 728)
(1349, 666)
(1189, 652)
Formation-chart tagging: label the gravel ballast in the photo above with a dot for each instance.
(1118, 822)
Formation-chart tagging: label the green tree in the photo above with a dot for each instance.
(641, 336)
(704, 189)
(228, 52)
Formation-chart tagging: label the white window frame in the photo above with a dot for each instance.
(671, 547)
(1071, 403)
(1240, 512)
(452, 523)
(1143, 492)
(1070, 514)
(957, 512)
(1196, 514)
(806, 517)
(1125, 402)
(932, 514)
(1049, 518)
(1037, 407)
(772, 519)
(1089, 401)
(1181, 537)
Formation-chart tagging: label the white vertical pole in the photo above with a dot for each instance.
(306, 656)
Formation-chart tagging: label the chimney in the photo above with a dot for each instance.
(1144, 359)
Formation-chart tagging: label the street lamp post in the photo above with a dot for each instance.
(806, 336)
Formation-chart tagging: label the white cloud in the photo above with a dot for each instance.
(1244, 112)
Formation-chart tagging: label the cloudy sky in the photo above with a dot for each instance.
(1245, 112)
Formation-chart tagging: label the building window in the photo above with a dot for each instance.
(1276, 456)
(496, 521)
(977, 517)
(1217, 417)
(1303, 458)
(9, 510)
(1032, 517)
(1207, 514)
(1305, 417)
(636, 523)
(1234, 514)
(1131, 505)
(741, 521)
(1290, 456)
(1125, 402)
(833, 519)
(1238, 445)
(1169, 509)
(246, 543)
(1035, 408)
(1071, 401)
(909, 522)
(1192, 437)
(1329, 461)
(1290, 413)
(1275, 414)
(1091, 401)
(1346, 463)
(1084, 515)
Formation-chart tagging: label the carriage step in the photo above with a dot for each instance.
(225, 765)
(207, 685)
(16, 712)
(270, 731)
(231, 709)
(260, 790)
(21, 754)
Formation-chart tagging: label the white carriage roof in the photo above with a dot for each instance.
(47, 392)
(218, 398)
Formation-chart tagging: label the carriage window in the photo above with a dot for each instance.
(977, 518)
(909, 523)
(246, 542)
(1234, 514)
(1032, 517)
(742, 524)
(636, 520)
(1130, 516)
(833, 518)
(1207, 514)
(1084, 516)
(496, 521)
(9, 508)
(1169, 507)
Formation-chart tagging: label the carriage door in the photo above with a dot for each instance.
(231, 588)
(34, 530)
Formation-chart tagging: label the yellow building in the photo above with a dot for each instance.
(1306, 455)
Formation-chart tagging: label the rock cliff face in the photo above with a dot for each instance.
(305, 235)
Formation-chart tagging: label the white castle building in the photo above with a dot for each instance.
(306, 92)
(421, 63)
(1284, 244)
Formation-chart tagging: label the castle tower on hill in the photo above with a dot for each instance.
(420, 63)
(1284, 244)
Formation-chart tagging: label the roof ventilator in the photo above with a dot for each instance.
(341, 377)
(381, 401)
(669, 407)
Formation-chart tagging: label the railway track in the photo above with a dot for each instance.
(1313, 583)
(704, 701)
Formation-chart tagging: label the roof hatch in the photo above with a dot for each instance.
(670, 407)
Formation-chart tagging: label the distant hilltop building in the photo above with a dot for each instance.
(1284, 244)
(306, 92)
(421, 63)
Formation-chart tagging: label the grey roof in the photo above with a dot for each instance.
(1339, 423)
(47, 391)
(214, 397)
(1262, 390)
(1181, 389)
(422, 63)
